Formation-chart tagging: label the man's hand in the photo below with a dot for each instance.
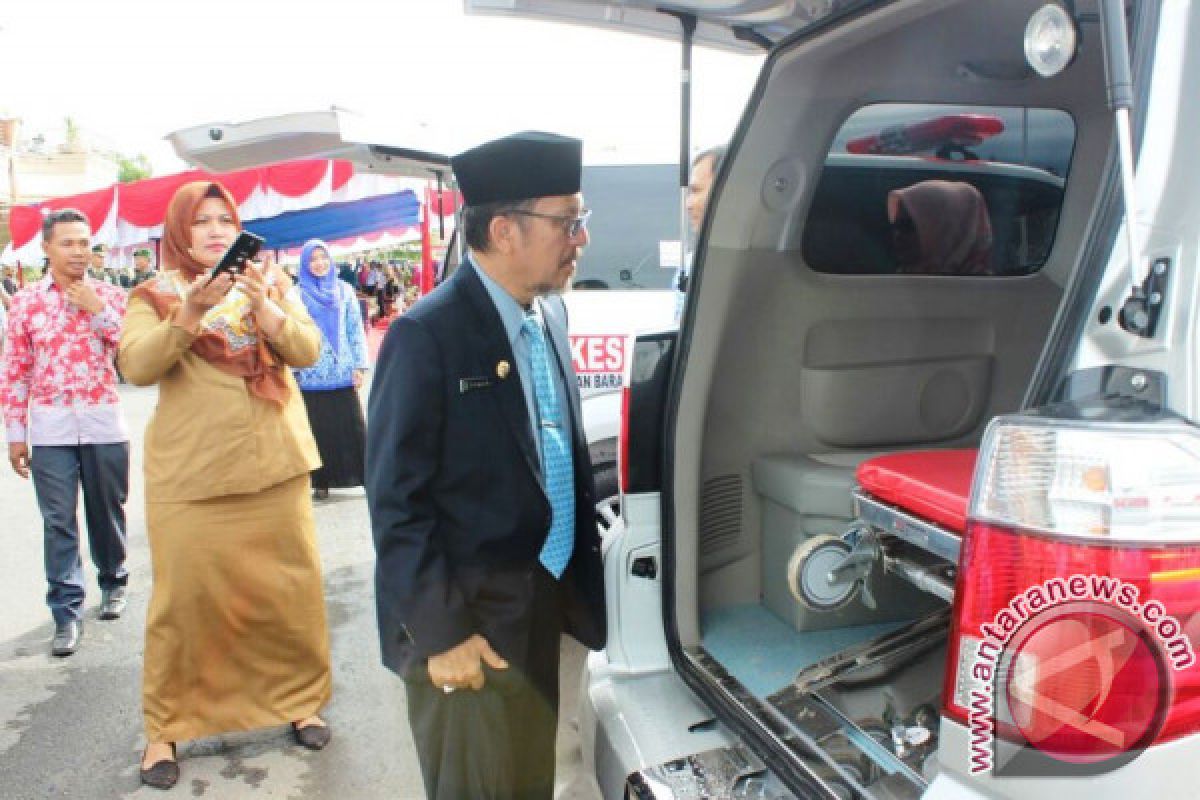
(357, 378)
(460, 668)
(18, 456)
(82, 295)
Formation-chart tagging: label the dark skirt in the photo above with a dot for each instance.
(337, 422)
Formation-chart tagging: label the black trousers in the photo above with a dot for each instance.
(496, 743)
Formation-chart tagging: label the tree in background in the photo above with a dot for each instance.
(74, 140)
(129, 168)
(133, 168)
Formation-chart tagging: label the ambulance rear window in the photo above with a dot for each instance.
(940, 190)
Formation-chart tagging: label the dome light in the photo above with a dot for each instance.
(1050, 40)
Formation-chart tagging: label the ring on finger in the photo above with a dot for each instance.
(447, 688)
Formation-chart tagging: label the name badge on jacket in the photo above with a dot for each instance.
(471, 384)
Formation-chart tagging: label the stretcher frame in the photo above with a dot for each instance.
(893, 520)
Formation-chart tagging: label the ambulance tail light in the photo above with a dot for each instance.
(1076, 611)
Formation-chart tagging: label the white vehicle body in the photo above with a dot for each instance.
(662, 716)
(603, 324)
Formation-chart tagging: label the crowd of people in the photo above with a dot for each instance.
(389, 284)
(486, 550)
(101, 269)
(383, 288)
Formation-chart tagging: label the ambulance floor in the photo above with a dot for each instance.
(764, 653)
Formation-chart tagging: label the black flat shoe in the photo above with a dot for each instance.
(314, 737)
(161, 774)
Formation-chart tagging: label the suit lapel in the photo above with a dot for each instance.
(491, 343)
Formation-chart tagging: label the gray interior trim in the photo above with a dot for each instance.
(782, 360)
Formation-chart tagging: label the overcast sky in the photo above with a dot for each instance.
(130, 71)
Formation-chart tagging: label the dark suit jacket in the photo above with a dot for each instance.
(458, 509)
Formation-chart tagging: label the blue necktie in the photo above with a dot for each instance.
(557, 470)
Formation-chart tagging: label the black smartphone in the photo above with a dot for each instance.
(244, 248)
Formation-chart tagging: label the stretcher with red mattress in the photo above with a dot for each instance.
(920, 497)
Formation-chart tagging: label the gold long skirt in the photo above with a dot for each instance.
(236, 636)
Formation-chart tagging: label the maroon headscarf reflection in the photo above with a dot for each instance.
(941, 228)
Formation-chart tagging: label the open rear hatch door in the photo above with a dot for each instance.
(222, 147)
(748, 26)
(743, 25)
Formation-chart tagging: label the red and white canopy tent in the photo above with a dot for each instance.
(341, 162)
(410, 149)
(129, 214)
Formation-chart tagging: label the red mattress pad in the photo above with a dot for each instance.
(932, 484)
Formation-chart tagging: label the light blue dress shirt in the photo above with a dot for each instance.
(512, 315)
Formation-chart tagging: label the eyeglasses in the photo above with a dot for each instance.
(572, 226)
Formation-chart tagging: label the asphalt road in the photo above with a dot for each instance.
(71, 728)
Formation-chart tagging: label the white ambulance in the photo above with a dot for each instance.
(912, 499)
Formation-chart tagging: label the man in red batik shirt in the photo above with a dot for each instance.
(63, 419)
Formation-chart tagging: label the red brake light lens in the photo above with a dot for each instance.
(1079, 590)
(1102, 701)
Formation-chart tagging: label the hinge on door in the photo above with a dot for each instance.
(1139, 315)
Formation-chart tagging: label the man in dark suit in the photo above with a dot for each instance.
(479, 482)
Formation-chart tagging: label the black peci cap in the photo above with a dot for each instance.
(519, 167)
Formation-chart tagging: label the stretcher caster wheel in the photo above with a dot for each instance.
(809, 574)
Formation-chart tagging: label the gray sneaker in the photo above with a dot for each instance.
(112, 602)
(66, 638)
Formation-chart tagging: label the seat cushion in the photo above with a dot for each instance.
(932, 484)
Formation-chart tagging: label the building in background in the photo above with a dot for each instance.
(8, 138)
(31, 170)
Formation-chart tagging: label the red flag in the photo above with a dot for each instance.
(443, 203)
(427, 265)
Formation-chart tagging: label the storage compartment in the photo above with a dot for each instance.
(901, 403)
(887, 382)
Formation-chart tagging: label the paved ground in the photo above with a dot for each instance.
(71, 728)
